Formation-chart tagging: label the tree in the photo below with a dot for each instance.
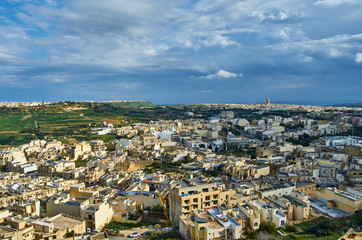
(187, 159)
(268, 227)
(264, 236)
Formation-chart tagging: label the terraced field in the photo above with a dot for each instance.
(73, 120)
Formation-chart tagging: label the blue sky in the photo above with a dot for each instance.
(169, 52)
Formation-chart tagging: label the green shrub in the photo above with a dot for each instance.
(268, 227)
(291, 228)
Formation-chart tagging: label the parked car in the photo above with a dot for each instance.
(145, 234)
(135, 234)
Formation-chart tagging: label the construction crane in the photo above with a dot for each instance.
(163, 206)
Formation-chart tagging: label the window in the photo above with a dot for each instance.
(282, 223)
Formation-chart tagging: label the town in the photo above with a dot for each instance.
(232, 171)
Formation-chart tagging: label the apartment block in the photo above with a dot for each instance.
(196, 194)
(277, 189)
(213, 223)
(340, 199)
(308, 188)
(16, 229)
(58, 227)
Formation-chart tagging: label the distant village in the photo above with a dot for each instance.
(214, 178)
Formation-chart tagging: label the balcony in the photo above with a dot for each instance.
(186, 210)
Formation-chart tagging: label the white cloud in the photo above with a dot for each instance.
(331, 3)
(223, 74)
(359, 58)
(333, 47)
(220, 40)
(59, 80)
(276, 14)
(335, 52)
(304, 58)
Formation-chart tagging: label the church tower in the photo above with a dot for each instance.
(267, 102)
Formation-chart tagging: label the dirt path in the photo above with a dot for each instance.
(26, 117)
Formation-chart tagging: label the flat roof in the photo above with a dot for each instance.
(302, 184)
(62, 222)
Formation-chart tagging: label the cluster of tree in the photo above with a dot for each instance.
(357, 131)
(328, 226)
(265, 227)
(290, 127)
(7, 140)
(30, 130)
(156, 166)
(233, 130)
(303, 140)
(215, 172)
(171, 235)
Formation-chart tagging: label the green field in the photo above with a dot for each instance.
(73, 120)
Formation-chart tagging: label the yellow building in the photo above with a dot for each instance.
(308, 188)
(79, 190)
(17, 229)
(339, 199)
(196, 194)
(353, 150)
(58, 227)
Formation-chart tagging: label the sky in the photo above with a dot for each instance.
(182, 52)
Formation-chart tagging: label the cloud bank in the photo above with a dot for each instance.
(54, 50)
